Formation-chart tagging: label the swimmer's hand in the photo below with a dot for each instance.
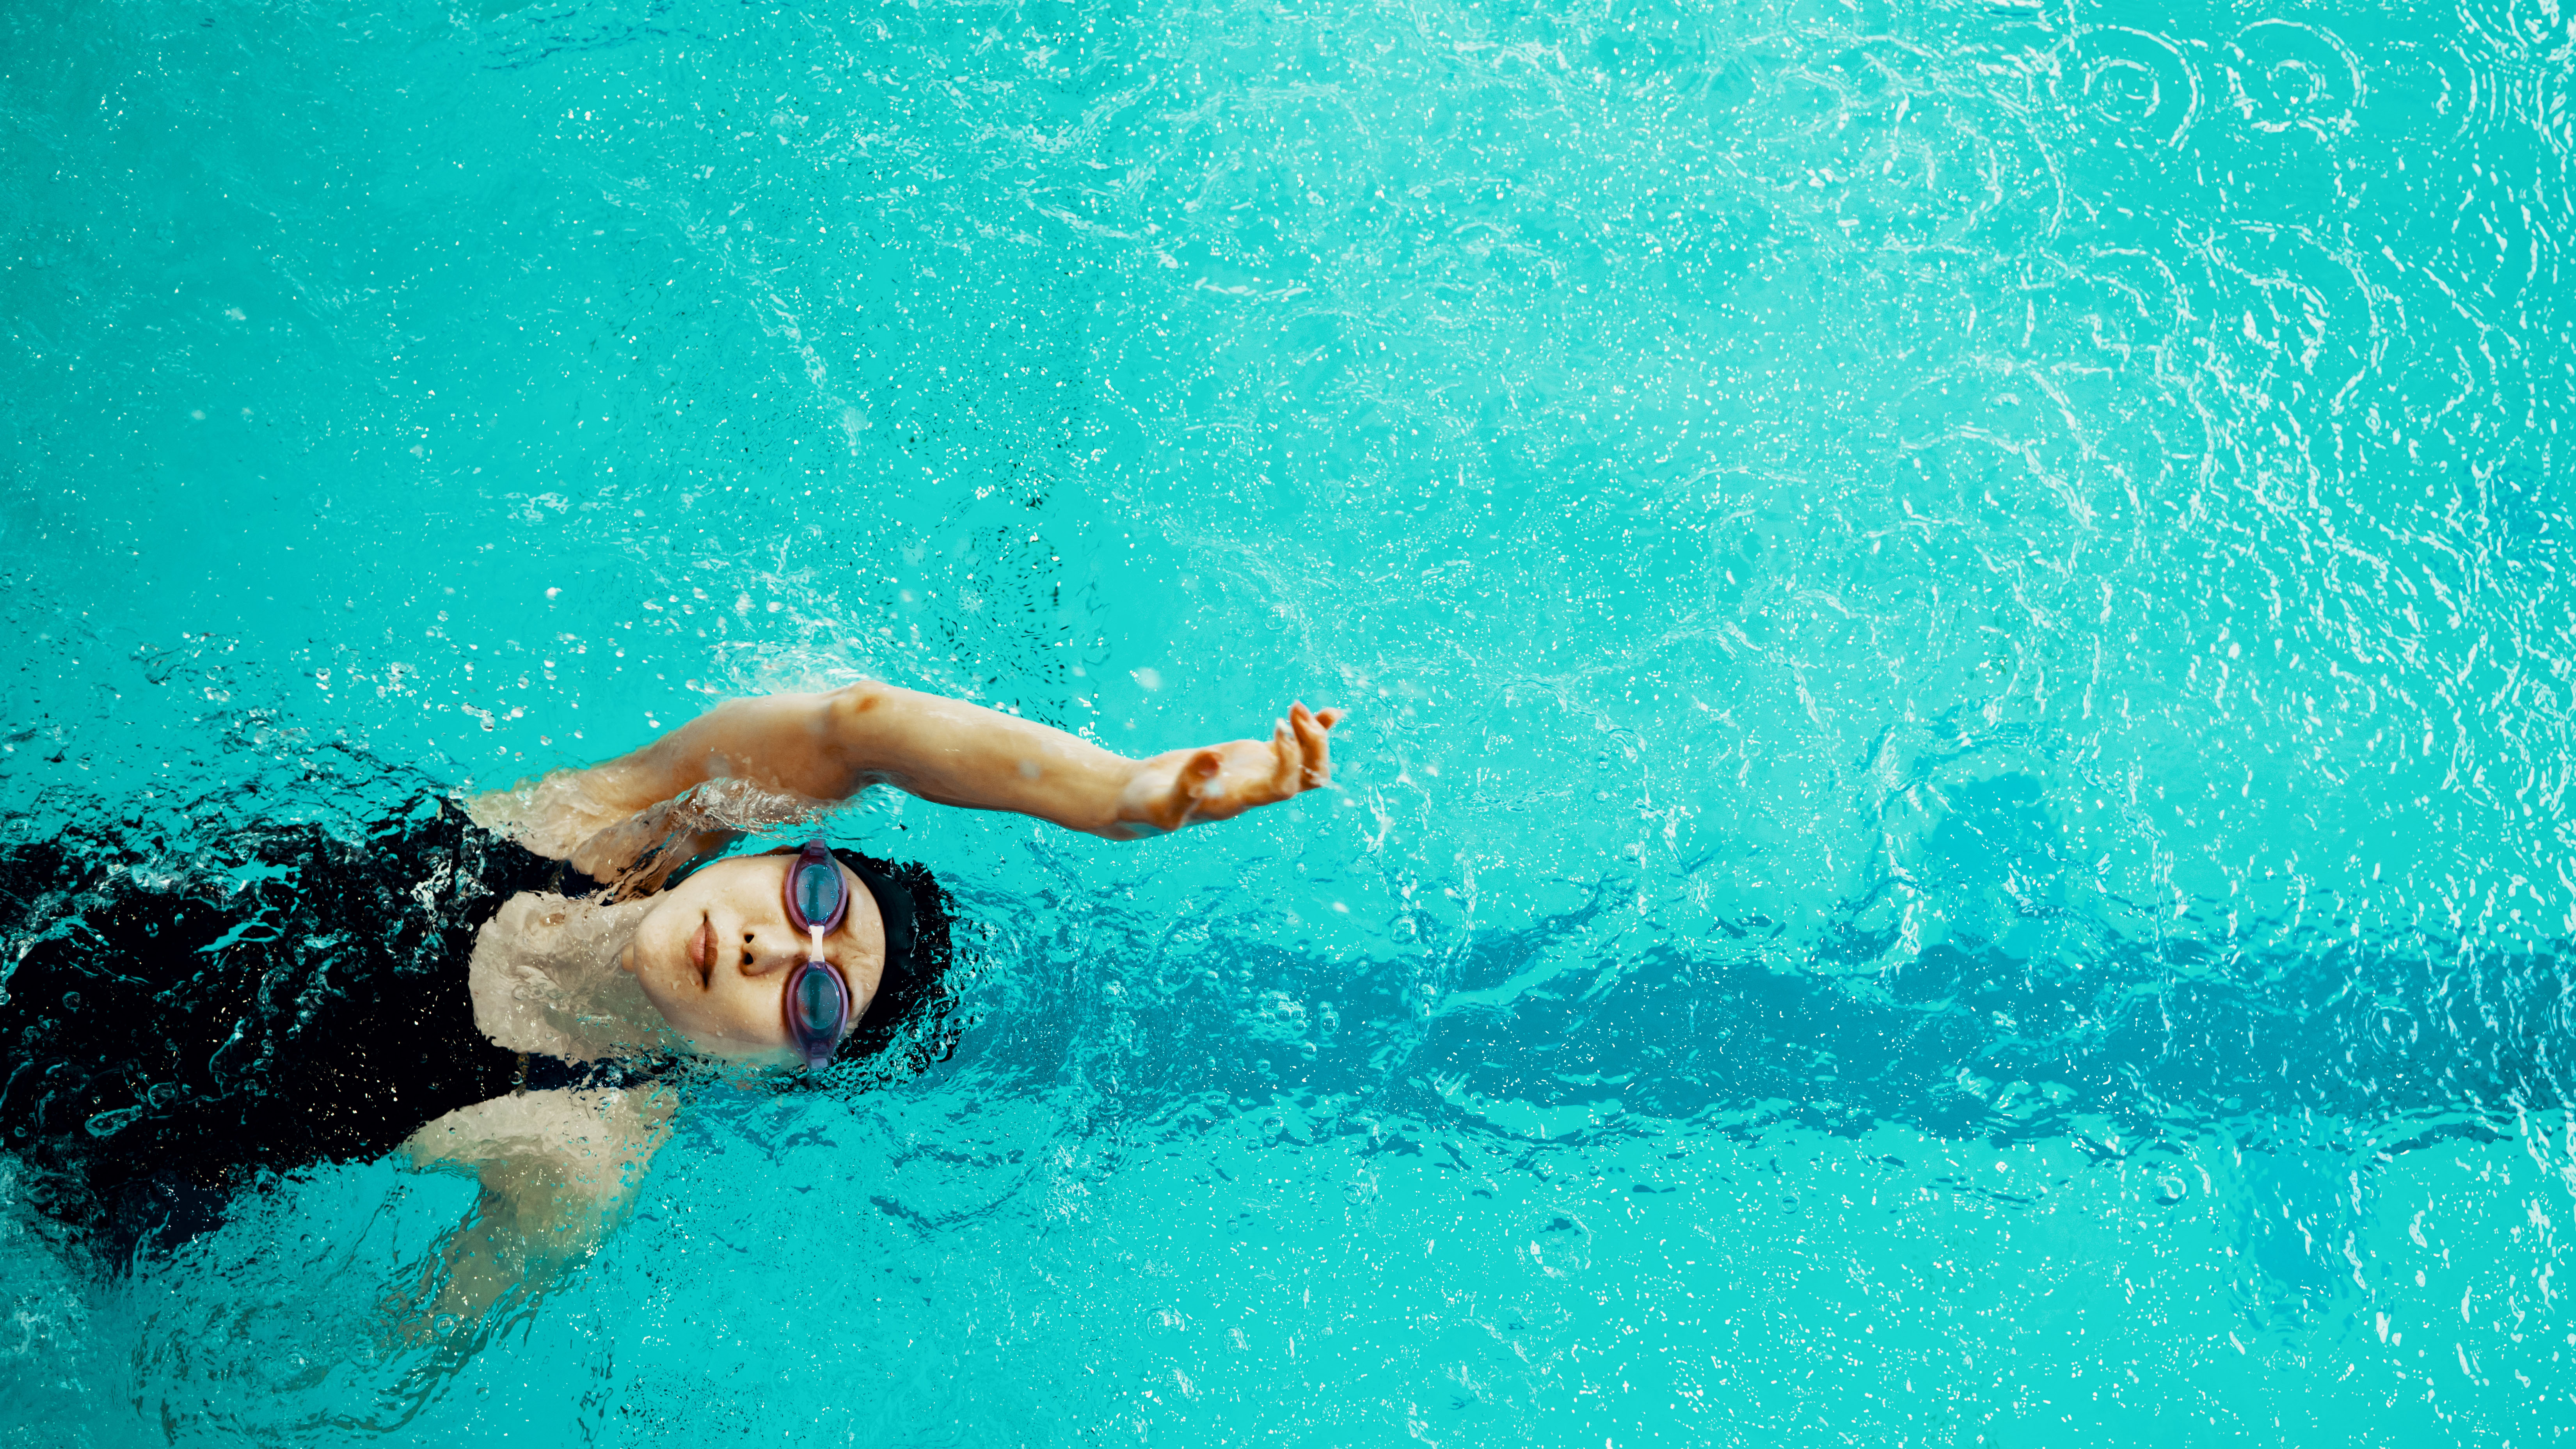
(1218, 782)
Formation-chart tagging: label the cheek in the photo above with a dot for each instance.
(661, 945)
(692, 1011)
(680, 1009)
(726, 1030)
(746, 1011)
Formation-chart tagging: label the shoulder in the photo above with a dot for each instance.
(588, 1136)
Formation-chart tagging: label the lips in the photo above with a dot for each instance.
(702, 946)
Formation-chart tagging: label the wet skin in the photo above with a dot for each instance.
(716, 953)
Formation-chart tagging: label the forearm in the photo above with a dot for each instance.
(956, 753)
(831, 746)
(522, 1239)
(500, 1250)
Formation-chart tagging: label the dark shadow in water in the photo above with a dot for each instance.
(2318, 1064)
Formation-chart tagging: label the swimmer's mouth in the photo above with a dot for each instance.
(702, 948)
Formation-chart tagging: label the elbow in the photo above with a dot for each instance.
(860, 731)
(848, 710)
(862, 697)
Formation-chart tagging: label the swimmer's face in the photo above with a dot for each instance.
(715, 954)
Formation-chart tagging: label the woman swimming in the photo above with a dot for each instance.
(178, 1036)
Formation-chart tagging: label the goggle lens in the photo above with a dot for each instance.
(818, 1010)
(818, 1002)
(817, 897)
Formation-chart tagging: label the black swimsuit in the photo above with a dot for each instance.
(172, 1038)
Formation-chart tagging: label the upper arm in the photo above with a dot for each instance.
(796, 743)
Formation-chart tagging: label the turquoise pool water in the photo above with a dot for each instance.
(1954, 825)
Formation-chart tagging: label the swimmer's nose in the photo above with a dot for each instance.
(764, 950)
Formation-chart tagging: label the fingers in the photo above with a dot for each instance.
(1315, 753)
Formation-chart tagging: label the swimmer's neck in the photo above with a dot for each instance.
(544, 979)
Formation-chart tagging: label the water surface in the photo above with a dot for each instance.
(1953, 829)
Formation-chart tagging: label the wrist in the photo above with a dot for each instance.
(1132, 797)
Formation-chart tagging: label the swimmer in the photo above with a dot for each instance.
(317, 1005)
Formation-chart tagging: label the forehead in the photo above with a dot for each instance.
(739, 870)
(767, 862)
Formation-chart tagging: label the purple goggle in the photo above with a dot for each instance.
(818, 1003)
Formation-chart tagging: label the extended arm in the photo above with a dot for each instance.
(830, 746)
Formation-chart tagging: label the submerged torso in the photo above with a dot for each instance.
(171, 1041)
